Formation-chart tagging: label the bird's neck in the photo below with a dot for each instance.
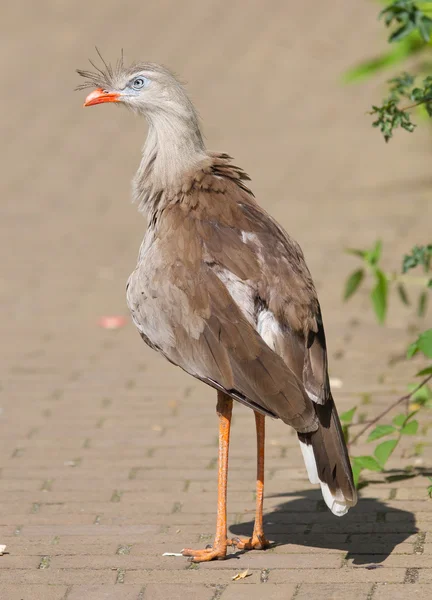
(173, 147)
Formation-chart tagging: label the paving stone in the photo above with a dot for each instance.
(394, 591)
(104, 592)
(236, 591)
(178, 592)
(330, 591)
(33, 592)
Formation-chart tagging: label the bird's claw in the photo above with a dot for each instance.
(218, 552)
(256, 542)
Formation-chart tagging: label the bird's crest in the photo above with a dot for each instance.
(111, 77)
(105, 77)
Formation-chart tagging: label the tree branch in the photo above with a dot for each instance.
(404, 398)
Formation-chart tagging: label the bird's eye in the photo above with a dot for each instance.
(139, 82)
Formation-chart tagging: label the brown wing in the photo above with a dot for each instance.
(184, 310)
(285, 286)
(242, 239)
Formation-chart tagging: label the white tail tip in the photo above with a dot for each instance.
(336, 503)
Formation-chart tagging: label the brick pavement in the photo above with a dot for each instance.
(107, 453)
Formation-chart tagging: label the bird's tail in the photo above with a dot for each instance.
(327, 462)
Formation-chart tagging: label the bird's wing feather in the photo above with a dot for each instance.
(224, 293)
(183, 307)
(288, 293)
(246, 243)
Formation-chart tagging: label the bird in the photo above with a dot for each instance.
(222, 291)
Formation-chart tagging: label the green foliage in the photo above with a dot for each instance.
(390, 115)
(346, 419)
(411, 31)
(383, 282)
(380, 431)
(423, 372)
(353, 282)
(411, 34)
(410, 428)
(398, 53)
(422, 344)
(384, 450)
(347, 416)
(403, 425)
(409, 18)
(379, 295)
(421, 398)
(420, 255)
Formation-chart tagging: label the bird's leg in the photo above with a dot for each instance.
(219, 548)
(257, 541)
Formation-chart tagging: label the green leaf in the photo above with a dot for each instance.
(401, 290)
(422, 304)
(401, 33)
(380, 431)
(356, 470)
(422, 396)
(399, 420)
(423, 372)
(347, 416)
(368, 462)
(384, 450)
(410, 428)
(424, 343)
(420, 255)
(412, 350)
(356, 252)
(396, 54)
(410, 415)
(424, 26)
(373, 256)
(379, 296)
(353, 282)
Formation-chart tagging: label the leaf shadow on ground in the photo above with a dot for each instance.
(368, 533)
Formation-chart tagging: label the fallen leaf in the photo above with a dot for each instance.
(241, 575)
(112, 322)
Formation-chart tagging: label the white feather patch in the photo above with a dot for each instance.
(313, 397)
(268, 328)
(240, 291)
(336, 503)
(309, 460)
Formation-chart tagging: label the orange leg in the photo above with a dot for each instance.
(219, 548)
(257, 541)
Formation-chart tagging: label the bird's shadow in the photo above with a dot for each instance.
(368, 533)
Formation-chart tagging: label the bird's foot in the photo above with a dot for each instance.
(256, 542)
(215, 552)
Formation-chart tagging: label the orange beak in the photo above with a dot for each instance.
(100, 96)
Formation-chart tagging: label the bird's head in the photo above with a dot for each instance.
(145, 88)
